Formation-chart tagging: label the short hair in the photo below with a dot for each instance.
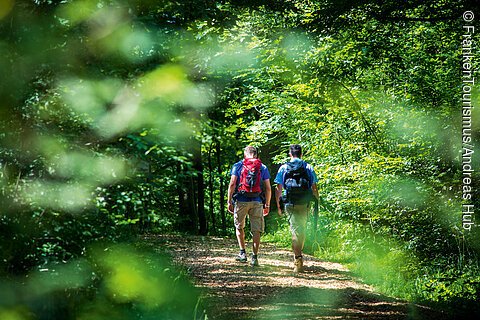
(296, 150)
(251, 151)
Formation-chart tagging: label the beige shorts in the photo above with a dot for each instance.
(254, 209)
(297, 216)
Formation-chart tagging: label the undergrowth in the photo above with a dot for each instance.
(391, 268)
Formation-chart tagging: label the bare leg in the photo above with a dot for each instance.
(256, 241)
(297, 244)
(298, 236)
(241, 238)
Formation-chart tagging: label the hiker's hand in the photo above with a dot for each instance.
(266, 210)
(230, 208)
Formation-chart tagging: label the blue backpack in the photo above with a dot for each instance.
(297, 183)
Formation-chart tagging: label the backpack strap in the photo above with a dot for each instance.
(238, 173)
(310, 178)
(284, 173)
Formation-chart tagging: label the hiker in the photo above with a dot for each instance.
(296, 185)
(245, 197)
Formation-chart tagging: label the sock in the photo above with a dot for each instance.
(298, 257)
(254, 255)
(242, 250)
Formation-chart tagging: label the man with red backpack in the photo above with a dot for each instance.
(296, 185)
(245, 197)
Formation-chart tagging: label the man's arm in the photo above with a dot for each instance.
(231, 189)
(314, 181)
(268, 196)
(278, 194)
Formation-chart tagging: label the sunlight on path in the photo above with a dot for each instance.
(234, 290)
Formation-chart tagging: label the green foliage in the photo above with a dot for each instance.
(372, 106)
(122, 281)
(123, 117)
(442, 285)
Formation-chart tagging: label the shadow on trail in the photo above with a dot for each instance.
(314, 303)
(326, 290)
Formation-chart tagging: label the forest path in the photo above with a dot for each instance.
(234, 290)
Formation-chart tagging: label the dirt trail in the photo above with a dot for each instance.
(234, 290)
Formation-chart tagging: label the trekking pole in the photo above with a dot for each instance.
(315, 243)
(324, 204)
(315, 220)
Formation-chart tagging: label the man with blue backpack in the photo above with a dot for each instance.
(296, 186)
(246, 196)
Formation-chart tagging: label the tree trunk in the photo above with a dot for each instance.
(222, 186)
(200, 188)
(210, 187)
(315, 219)
(185, 201)
(191, 204)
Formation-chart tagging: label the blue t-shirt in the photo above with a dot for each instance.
(281, 172)
(237, 169)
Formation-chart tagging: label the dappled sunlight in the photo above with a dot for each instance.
(325, 290)
(275, 265)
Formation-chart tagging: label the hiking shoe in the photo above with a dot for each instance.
(298, 265)
(254, 261)
(242, 257)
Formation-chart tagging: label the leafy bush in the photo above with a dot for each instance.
(115, 280)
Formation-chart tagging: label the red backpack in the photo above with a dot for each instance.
(250, 178)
